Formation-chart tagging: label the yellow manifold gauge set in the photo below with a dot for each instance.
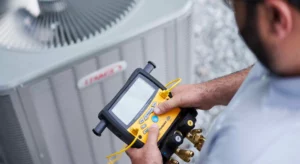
(130, 114)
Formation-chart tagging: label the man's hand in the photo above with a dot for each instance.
(149, 153)
(204, 95)
(198, 96)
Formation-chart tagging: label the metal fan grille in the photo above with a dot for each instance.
(61, 23)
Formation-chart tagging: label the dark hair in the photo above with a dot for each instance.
(252, 37)
(295, 3)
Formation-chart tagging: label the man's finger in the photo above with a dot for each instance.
(167, 105)
(153, 135)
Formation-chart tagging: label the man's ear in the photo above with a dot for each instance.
(280, 17)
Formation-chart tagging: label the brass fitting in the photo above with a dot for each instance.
(173, 161)
(185, 155)
(196, 131)
(196, 138)
(183, 152)
(200, 144)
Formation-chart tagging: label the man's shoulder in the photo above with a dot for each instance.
(256, 137)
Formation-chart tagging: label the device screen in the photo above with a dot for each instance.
(133, 100)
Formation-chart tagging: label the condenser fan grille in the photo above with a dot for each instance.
(61, 22)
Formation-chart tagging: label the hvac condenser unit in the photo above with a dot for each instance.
(58, 68)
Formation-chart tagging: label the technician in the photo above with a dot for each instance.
(261, 124)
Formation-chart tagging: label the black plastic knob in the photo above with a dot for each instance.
(99, 128)
(187, 124)
(174, 140)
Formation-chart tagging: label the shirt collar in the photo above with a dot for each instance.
(286, 85)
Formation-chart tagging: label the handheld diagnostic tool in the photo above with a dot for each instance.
(130, 114)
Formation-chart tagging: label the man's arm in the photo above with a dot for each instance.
(224, 88)
(205, 95)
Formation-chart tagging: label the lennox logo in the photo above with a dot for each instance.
(101, 74)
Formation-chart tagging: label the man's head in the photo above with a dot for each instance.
(271, 29)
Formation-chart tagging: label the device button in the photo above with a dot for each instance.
(143, 126)
(155, 119)
(141, 121)
(146, 131)
(154, 104)
(151, 110)
(146, 116)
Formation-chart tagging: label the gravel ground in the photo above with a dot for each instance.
(218, 51)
